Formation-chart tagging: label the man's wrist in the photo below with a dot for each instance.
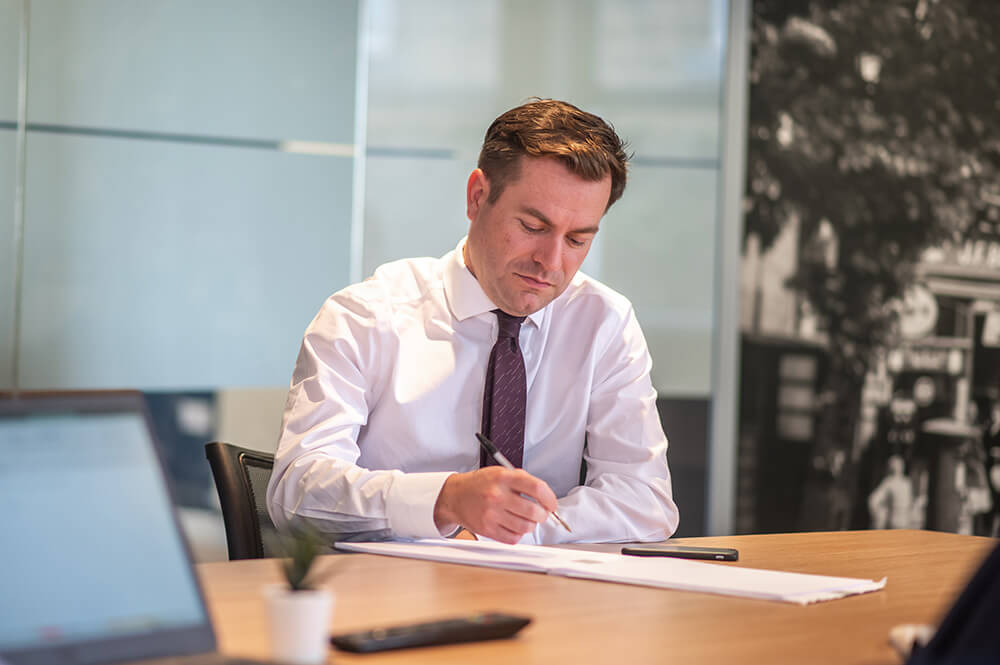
(444, 517)
(410, 503)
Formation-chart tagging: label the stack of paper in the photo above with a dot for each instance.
(662, 572)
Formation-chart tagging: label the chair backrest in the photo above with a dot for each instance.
(241, 477)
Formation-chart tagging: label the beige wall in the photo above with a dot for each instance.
(250, 417)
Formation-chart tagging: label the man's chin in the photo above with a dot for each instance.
(530, 305)
(525, 302)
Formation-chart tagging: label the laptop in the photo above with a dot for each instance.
(95, 569)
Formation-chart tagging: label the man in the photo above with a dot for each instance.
(891, 503)
(991, 444)
(397, 374)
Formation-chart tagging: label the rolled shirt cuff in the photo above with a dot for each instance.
(410, 504)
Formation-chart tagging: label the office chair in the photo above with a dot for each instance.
(241, 477)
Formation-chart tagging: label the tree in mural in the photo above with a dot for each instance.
(875, 124)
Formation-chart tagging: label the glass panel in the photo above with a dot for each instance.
(10, 40)
(658, 72)
(434, 72)
(658, 248)
(424, 216)
(10, 27)
(7, 183)
(174, 266)
(654, 68)
(191, 67)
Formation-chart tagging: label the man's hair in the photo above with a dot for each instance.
(581, 141)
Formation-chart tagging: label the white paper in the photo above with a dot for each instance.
(663, 572)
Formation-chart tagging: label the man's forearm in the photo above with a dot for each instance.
(346, 498)
(614, 509)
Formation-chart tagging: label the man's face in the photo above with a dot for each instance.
(525, 248)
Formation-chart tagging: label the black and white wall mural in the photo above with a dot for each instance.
(870, 389)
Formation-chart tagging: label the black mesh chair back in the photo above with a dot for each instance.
(241, 477)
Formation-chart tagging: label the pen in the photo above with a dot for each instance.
(492, 451)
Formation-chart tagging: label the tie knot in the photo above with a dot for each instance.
(510, 326)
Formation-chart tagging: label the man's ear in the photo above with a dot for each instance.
(477, 192)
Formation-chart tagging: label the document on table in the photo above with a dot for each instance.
(664, 572)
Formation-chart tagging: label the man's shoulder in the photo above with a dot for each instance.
(586, 294)
(593, 310)
(407, 278)
(396, 283)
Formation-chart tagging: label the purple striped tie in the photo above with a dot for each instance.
(506, 392)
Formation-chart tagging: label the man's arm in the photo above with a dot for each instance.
(336, 382)
(627, 495)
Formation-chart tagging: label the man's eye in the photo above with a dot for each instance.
(575, 242)
(531, 229)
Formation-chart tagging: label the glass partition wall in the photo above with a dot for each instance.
(10, 75)
(199, 177)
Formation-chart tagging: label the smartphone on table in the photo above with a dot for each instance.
(683, 552)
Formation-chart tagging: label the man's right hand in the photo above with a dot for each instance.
(494, 502)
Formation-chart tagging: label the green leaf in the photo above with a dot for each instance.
(301, 545)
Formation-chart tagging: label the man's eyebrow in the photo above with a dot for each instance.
(536, 213)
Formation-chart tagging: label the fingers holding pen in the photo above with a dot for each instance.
(534, 488)
(498, 503)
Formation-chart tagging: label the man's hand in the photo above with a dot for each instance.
(494, 502)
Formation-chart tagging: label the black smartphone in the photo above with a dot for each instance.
(683, 552)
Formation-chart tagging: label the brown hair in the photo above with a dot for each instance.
(581, 141)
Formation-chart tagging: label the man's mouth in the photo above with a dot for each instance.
(537, 283)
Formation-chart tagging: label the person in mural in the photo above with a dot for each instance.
(972, 487)
(991, 443)
(895, 436)
(918, 511)
(891, 502)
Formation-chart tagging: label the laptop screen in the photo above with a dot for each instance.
(91, 547)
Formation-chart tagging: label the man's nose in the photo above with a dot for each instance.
(548, 253)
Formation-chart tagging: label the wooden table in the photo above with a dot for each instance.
(580, 621)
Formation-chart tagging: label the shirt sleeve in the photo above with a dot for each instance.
(334, 386)
(627, 495)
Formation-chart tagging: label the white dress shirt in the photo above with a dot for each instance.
(387, 395)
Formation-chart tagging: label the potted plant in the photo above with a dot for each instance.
(299, 611)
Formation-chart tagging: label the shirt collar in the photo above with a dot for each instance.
(465, 296)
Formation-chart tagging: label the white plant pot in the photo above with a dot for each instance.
(300, 624)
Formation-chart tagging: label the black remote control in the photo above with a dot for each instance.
(487, 626)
